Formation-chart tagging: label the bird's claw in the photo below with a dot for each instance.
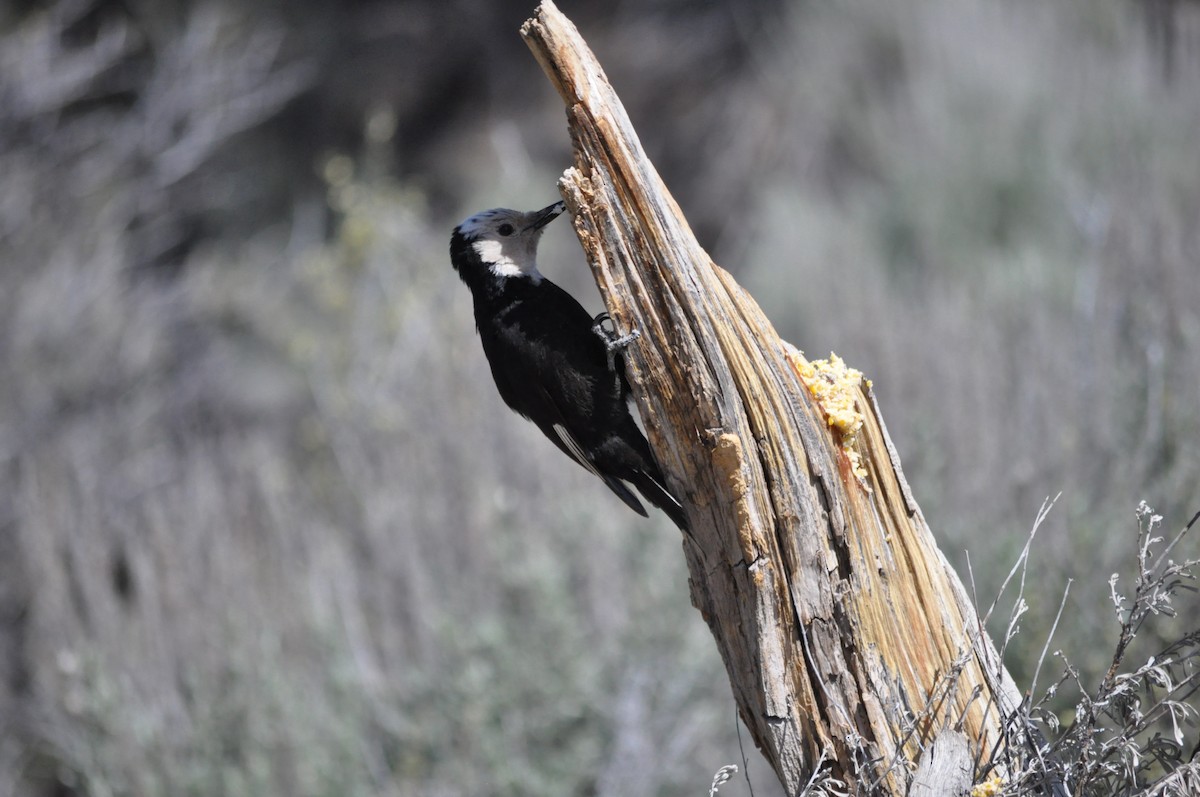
(604, 326)
(598, 327)
(614, 344)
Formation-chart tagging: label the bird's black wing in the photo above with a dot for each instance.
(565, 440)
(548, 365)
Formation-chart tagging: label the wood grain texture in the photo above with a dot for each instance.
(841, 625)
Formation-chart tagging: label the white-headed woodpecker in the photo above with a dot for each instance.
(552, 362)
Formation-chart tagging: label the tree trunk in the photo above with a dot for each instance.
(850, 643)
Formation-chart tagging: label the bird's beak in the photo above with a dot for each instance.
(546, 215)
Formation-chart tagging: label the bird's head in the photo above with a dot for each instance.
(504, 241)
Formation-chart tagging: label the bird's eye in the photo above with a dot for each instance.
(505, 229)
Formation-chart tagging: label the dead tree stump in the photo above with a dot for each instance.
(851, 644)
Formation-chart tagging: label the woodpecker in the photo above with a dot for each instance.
(552, 362)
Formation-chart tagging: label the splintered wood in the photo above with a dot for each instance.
(843, 629)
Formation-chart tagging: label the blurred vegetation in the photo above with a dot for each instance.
(265, 527)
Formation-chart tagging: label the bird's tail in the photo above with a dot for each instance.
(625, 494)
(626, 458)
(652, 489)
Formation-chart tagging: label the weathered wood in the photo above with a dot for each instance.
(842, 627)
(944, 769)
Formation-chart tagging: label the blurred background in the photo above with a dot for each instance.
(266, 527)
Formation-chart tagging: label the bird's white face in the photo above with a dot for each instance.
(507, 240)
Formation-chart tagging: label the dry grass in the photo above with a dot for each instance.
(265, 527)
(1127, 735)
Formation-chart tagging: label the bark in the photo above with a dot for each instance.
(850, 643)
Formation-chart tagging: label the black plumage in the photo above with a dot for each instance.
(549, 362)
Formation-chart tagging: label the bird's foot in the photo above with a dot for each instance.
(598, 326)
(604, 326)
(614, 344)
